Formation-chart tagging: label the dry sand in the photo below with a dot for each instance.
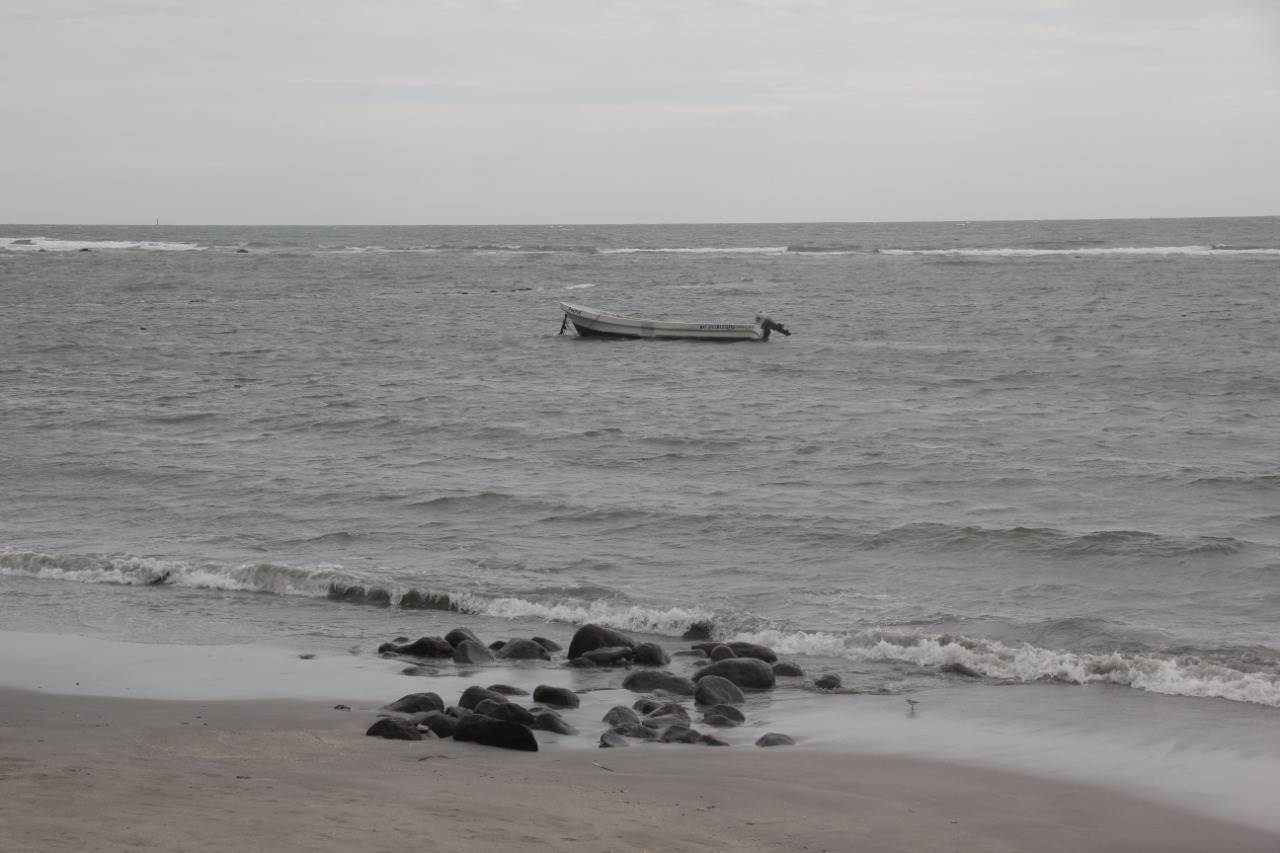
(87, 773)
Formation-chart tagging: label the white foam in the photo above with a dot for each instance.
(1180, 676)
(1203, 251)
(577, 286)
(699, 250)
(49, 244)
(672, 621)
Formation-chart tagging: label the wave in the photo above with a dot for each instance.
(1175, 675)
(50, 244)
(697, 250)
(1013, 252)
(1104, 543)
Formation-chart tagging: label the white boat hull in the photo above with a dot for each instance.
(590, 322)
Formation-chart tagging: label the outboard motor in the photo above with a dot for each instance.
(768, 325)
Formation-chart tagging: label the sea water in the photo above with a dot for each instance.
(1042, 451)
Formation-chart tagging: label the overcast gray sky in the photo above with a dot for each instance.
(481, 111)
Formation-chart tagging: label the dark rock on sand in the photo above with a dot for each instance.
(420, 670)
(787, 670)
(670, 709)
(490, 732)
(612, 740)
(720, 653)
(717, 690)
(474, 695)
(497, 645)
(723, 716)
(509, 711)
(590, 637)
(423, 647)
(609, 655)
(415, 702)
(827, 682)
(637, 731)
(621, 715)
(457, 635)
(469, 651)
(394, 728)
(550, 645)
(681, 734)
(775, 739)
(751, 673)
(960, 669)
(645, 706)
(550, 721)
(712, 740)
(508, 690)
(439, 722)
(523, 650)
(647, 680)
(560, 697)
(650, 654)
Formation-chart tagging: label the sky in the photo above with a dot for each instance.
(597, 111)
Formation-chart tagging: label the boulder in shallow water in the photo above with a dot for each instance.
(697, 631)
(457, 635)
(523, 650)
(751, 673)
(775, 739)
(784, 669)
(621, 715)
(559, 697)
(829, 681)
(648, 680)
(423, 647)
(681, 734)
(753, 650)
(712, 740)
(644, 706)
(508, 690)
(609, 655)
(414, 703)
(550, 721)
(394, 728)
(471, 652)
(650, 654)
(475, 694)
(550, 645)
(590, 637)
(717, 690)
(723, 716)
(720, 653)
(509, 711)
(636, 730)
(487, 731)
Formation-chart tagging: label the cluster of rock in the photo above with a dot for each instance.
(487, 715)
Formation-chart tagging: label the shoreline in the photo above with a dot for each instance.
(117, 774)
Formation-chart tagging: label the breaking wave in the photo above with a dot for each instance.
(1012, 252)
(49, 244)
(1175, 675)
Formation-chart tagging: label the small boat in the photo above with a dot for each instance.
(593, 323)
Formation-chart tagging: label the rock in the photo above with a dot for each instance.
(508, 690)
(689, 653)
(717, 690)
(560, 697)
(670, 709)
(394, 728)
(423, 647)
(697, 631)
(723, 716)
(612, 740)
(581, 663)
(590, 637)
(497, 645)
(474, 695)
(342, 707)
(787, 670)
(680, 734)
(471, 652)
(508, 711)
(238, 251)
(644, 706)
(638, 731)
(720, 653)
(457, 635)
(549, 645)
(420, 670)
(417, 600)
(751, 673)
(307, 656)
(621, 715)
(712, 740)
(648, 680)
(827, 682)
(650, 654)
(550, 721)
(960, 669)
(753, 650)
(608, 655)
(775, 739)
(523, 650)
(415, 702)
(439, 722)
(456, 712)
(500, 733)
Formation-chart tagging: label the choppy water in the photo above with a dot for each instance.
(1042, 450)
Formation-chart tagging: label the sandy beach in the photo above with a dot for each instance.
(108, 774)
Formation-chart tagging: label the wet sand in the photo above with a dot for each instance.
(82, 772)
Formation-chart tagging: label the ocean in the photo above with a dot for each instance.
(991, 453)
